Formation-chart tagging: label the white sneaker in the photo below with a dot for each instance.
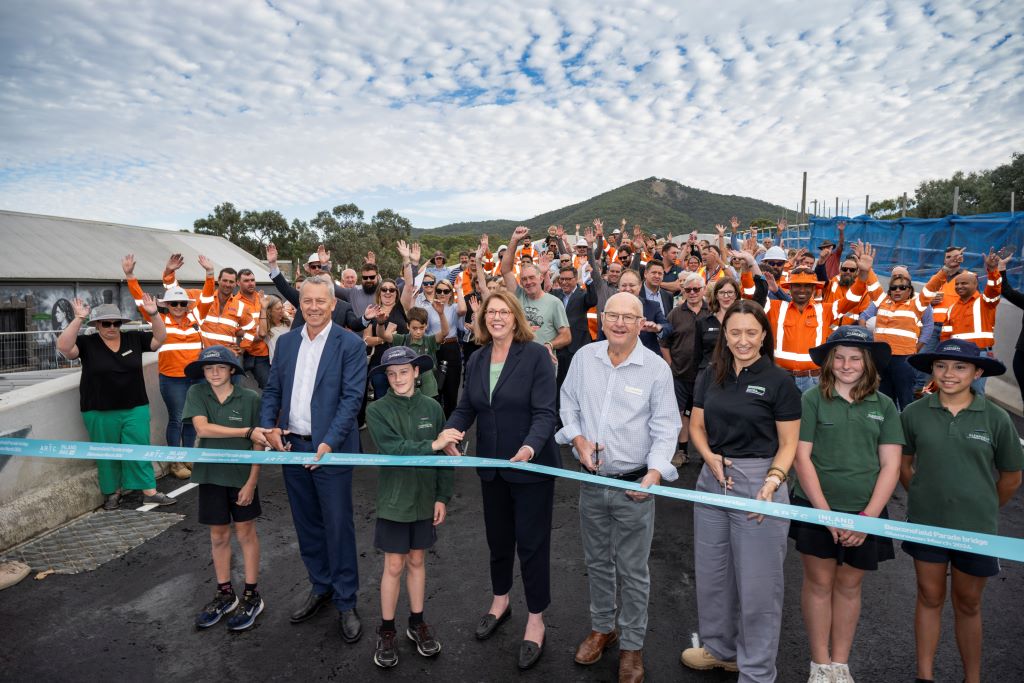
(821, 673)
(841, 673)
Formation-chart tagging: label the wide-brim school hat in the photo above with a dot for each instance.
(403, 355)
(802, 279)
(858, 337)
(214, 355)
(107, 312)
(957, 349)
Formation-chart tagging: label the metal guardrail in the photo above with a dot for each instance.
(37, 350)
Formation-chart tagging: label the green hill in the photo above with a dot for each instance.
(658, 205)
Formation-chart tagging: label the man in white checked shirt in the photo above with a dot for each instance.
(619, 411)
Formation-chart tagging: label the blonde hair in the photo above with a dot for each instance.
(522, 332)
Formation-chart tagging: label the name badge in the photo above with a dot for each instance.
(636, 391)
(126, 352)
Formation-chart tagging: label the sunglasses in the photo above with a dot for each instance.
(428, 283)
(176, 304)
(369, 278)
(111, 323)
(848, 270)
(314, 266)
(442, 291)
(692, 290)
(388, 290)
(899, 288)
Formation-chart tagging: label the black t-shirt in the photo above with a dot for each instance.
(112, 380)
(740, 415)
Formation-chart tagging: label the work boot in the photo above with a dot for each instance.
(593, 646)
(631, 666)
(702, 660)
(112, 502)
(179, 471)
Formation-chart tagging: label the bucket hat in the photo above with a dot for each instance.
(403, 355)
(853, 335)
(957, 349)
(106, 312)
(213, 355)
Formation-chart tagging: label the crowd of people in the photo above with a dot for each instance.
(788, 377)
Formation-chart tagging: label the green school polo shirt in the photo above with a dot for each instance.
(846, 437)
(241, 409)
(427, 346)
(955, 462)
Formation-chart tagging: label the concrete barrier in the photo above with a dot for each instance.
(40, 494)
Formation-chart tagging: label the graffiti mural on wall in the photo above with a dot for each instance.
(51, 309)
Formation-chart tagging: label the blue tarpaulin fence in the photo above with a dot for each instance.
(920, 243)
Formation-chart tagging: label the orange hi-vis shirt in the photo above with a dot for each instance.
(183, 343)
(259, 346)
(747, 288)
(232, 325)
(464, 282)
(795, 332)
(870, 293)
(899, 324)
(718, 275)
(940, 312)
(975, 319)
(522, 251)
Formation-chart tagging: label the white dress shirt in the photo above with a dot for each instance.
(300, 419)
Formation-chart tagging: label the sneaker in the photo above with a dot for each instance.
(159, 498)
(248, 609)
(841, 673)
(221, 604)
(426, 644)
(386, 654)
(112, 502)
(821, 673)
(702, 660)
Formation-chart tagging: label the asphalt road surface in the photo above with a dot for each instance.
(131, 619)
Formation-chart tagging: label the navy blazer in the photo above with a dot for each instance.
(522, 411)
(337, 391)
(580, 302)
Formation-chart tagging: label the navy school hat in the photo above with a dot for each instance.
(957, 349)
(213, 355)
(853, 335)
(403, 355)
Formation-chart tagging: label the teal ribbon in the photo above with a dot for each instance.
(954, 539)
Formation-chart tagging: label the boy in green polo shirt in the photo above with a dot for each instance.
(956, 439)
(225, 416)
(411, 501)
(423, 344)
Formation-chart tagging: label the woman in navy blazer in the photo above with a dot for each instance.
(510, 394)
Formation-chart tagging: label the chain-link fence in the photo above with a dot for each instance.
(25, 351)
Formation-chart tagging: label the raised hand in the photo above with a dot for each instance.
(841, 226)
(866, 259)
(174, 262)
(415, 251)
(720, 229)
(560, 231)
(1006, 259)
(403, 249)
(637, 232)
(769, 279)
(734, 222)
(589, 236)
(782, 224)
(128, 265)
(371, 312)
(81, 308)
(545, 260)
(599, 226)
(371, 257)
(323, 254)
(148, 304)
(517, 235)
(991, 260)
(207, 265)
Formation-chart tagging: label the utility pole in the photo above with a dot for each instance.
(803, 201)
(867, 203)
(837, 206)
(903, 209)
(1012, 197)
(815, 202)
(956, 200)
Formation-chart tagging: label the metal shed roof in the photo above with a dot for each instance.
(51, 248)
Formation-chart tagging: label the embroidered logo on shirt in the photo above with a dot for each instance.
(425, 423)
(877, 416)
(755, 390)
(636, 391)
(979, 435)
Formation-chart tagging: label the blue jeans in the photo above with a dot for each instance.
(259, 366)
(173, 390)
(898, 382)
(804, 383)
(979, 384)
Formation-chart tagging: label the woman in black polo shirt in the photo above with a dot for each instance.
(745, 424)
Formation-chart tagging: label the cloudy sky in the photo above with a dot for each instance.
(151, 113)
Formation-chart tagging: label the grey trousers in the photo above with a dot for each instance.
(617, 533)
(739, 574)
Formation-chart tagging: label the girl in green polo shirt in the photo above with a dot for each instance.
(848, 460)
(962, 462)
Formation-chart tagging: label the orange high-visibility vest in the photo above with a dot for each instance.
(870, 293)
(975, 319)
(899, 325)
(183, 343)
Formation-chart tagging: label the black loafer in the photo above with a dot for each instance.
(350, 626)
(312, 605)
(529, 654)
(490, 623)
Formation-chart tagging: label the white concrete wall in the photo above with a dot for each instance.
(39, 494)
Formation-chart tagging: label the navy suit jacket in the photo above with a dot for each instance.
(580, 301)
(337, 392)
(521, 412)
(652, 312)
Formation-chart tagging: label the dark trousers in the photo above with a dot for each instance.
(259, 366)
(321, 503)
(449, 393)
(898, 382)
(173, 391)
(517, 518)
(1018, 370)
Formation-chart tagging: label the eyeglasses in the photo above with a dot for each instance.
(111, 323)
(388, 290)
(428, 283)
(176, 304)
(314, 266)
(848, 270)
(369, 278)
(442, 291)
(726, 294)
(498, 313)
(775, 264)
(898, 288)
(627, 318)
(692, 290)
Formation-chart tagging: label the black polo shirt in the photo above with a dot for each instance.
(740, 415)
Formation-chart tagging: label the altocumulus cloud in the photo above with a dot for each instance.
(154, 112)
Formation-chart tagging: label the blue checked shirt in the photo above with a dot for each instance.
(629, 410)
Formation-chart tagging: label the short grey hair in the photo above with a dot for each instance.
(321, 280)
(692, 277)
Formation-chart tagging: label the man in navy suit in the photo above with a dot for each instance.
(310, 403)
(341, 315)
(577, 302)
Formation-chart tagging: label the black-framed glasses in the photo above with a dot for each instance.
(176, 304)
(111, 323)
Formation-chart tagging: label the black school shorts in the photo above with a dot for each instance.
(217, 505)
(684, 394)
(401, 537)
(973, 564)
(816, 540)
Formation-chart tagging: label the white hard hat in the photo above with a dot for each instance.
(174, 294)
(313, 258)
(775, 254)
(502, 247)
(581, 243)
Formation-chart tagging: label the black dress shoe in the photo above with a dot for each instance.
(312, 605)
(490, 623)
(529, 654)
(350, 626)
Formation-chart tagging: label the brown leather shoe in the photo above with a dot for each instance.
(593, 646)
(631, 666)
